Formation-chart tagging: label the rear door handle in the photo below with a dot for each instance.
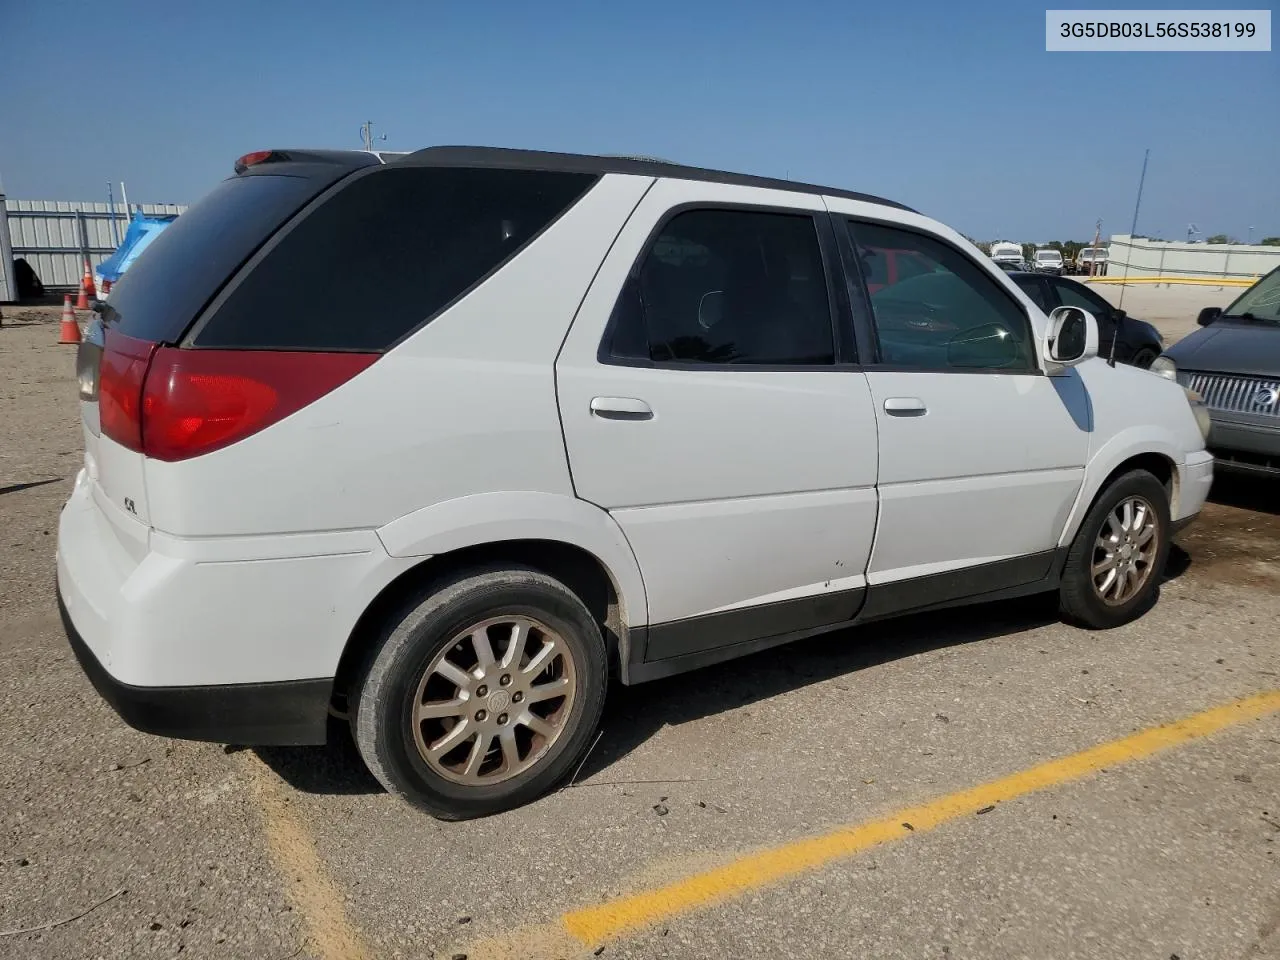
(620, 408)
(905, 407)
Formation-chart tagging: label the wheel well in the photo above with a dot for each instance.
(1158, 465)
(576, 568)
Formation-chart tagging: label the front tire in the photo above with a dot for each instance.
(1113, 568)
(1143, 358)
(482, 693)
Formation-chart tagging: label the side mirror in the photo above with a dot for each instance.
(988, 346)
(710, 309)
(1208, 315)
(1072, 337)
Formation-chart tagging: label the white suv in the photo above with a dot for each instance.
(438, 443)
(1049, 261)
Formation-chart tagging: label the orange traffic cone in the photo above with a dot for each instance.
(89, 287)
(70, 332)
(82, 300)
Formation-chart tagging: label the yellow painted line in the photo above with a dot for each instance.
(592, 925)
(1193, 281)
(329, 932)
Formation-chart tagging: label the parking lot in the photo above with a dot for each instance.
(983, 782)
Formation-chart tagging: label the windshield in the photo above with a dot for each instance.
(1048, 255)
(1261, 301)
(1091, 253)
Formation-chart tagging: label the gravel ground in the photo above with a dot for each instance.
(297, 853)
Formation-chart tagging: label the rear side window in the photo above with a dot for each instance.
(1034, 289)
(727, 286)
(386, 253)
(188, 263)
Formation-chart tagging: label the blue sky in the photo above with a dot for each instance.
(954, 108)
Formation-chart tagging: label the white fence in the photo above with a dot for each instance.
(1206, 261)
(55, 237)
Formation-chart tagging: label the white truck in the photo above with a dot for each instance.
(1096, 256)
(1004, 252)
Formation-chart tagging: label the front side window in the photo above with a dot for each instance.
(953, 317)
(727, 287)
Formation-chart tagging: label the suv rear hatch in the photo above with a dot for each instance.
(127, 366)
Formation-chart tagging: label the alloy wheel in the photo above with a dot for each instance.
(1125, 550)
(494, 700)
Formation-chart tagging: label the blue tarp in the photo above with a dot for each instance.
(142, 230)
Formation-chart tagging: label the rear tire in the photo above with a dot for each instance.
(1114, 566)
(482, 693)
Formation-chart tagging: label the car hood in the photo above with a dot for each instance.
(1230, 348)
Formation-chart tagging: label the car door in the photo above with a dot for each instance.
(710, 407)
(981, 453)
(1069, 293)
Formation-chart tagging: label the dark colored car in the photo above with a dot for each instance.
(1137, 342)
(1234, 364)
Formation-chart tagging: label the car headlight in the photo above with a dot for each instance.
(1164, 367)
(1201, 411)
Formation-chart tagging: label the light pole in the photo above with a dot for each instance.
(366, 136)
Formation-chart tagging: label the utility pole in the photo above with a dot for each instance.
(366, 136)
(111, 206)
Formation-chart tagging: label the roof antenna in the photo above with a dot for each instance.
(1111, 360)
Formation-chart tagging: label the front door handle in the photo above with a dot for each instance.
(905, 407)
(620, 408)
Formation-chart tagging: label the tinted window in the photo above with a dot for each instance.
(955, 316)
(728, 286)
(386, 253)
(1034, 289)
(191, 259)
(1074, 295)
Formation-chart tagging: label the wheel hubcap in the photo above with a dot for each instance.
(1125, 551)
(494, 700)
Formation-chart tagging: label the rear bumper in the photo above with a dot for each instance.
(290, 712)
(233, 639)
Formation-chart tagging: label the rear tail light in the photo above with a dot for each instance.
(120, 377)
(196, 401)
(173, 404)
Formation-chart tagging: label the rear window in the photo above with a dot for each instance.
(385, 254)
(172, 280)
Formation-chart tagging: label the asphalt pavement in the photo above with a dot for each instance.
(754, 809)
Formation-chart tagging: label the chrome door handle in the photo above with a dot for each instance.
(620, 408)
(905, 407)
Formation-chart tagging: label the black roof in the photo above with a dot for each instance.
(585, 163)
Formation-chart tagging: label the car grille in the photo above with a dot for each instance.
(1257, 395)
